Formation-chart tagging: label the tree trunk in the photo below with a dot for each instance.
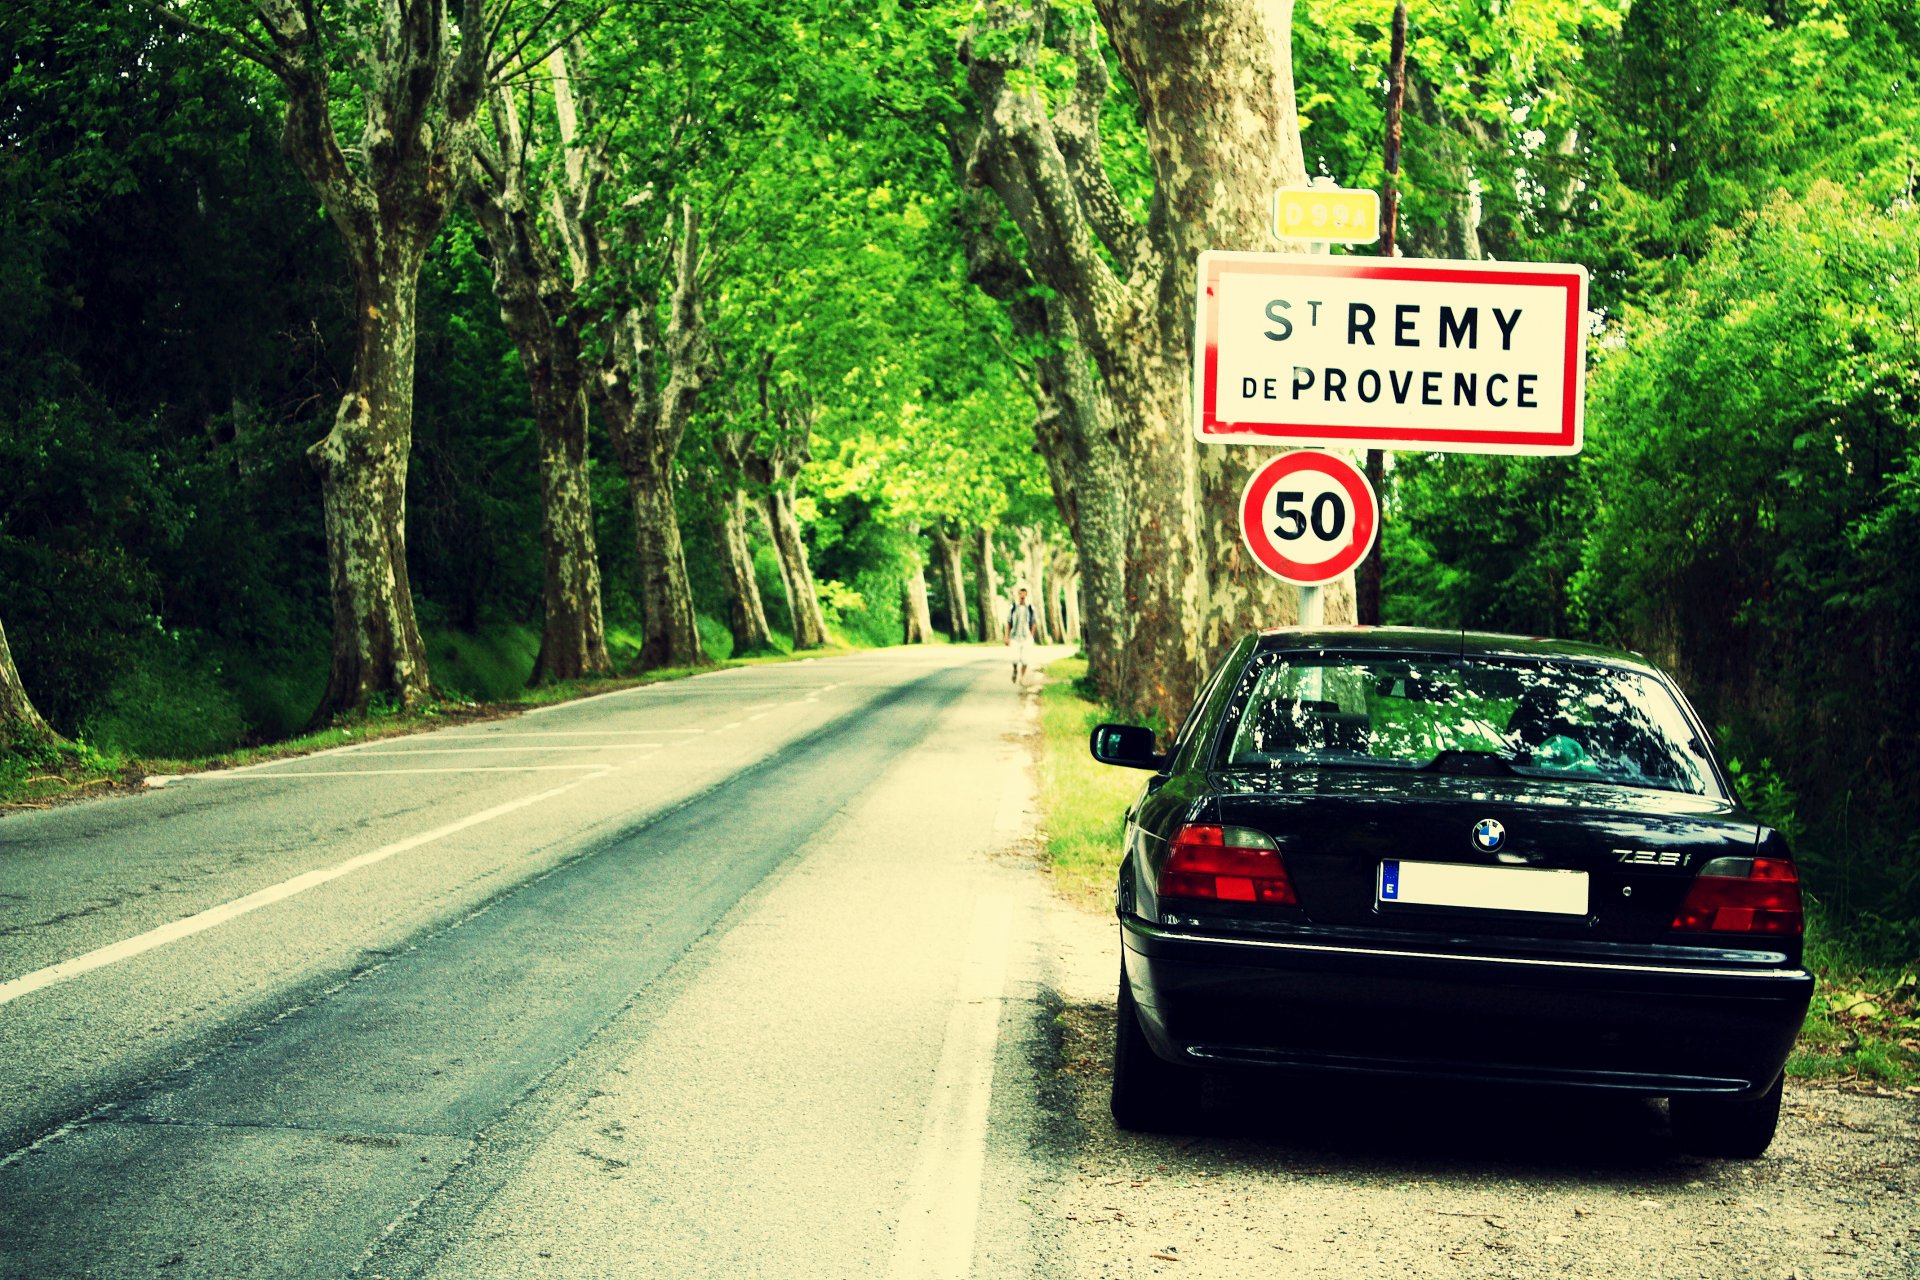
(1075, 431)
(669, 636)
(1056, 608)
(363, 483)
(648, 384)
(992, 612)
(1368, 573)
(538, 309)
(573, 636)
(420, 85)
(1070, 591)
(1215, 172)
(1439, 161)
(20, 722)
(1191, 588)
(953, 579)
(919, 619)
(746, 614)
(1033, 569)
(803, 601)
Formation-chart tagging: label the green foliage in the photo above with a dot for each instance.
(715, 639)
(169, 700)
(1083, 803)
(489, 665)
(1744, 512)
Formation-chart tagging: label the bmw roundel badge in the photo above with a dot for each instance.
(1488, 835)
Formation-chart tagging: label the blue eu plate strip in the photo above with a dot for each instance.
(1389, 880)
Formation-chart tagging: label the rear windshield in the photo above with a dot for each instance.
(1538, 719)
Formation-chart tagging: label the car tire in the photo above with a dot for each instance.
(1738, 1128)
(1150, 1094)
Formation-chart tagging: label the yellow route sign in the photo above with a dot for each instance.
(1339, 214)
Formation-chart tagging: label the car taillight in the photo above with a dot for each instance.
(1743, 895)
(1227, 864)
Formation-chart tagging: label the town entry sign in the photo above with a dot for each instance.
(1414, 354)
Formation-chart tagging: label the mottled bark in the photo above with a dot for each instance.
(775, 469)
(1075, 430)
(20, 722)
(1214, 81)
(376, 649)
(646, 378)
(919, 619)
(992, 611)
(573, 635)
(670, 637)
(1056, 603)
(1033, 576)
(1070, 594)
(948, 554)
(538, 308)
(649, 381)
(746, 612)
(421, 87)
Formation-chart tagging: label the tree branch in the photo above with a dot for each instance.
(233, 41)
(1077, 126)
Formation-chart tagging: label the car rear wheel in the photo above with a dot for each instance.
(1149, 1093)
(1740, 1128)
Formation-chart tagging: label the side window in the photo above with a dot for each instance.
(1197, 712)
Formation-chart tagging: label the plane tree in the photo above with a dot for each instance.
(381, 107)
(21, 726)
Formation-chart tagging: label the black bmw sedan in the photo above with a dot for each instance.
(1453, 856)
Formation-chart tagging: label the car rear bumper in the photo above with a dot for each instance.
(1653, 1029)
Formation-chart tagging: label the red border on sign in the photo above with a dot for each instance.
(1253, 506)
(1567, 440)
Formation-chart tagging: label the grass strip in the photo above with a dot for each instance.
(1083, 802)
(1864, 1024)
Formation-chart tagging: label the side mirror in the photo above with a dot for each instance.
(1126, 745)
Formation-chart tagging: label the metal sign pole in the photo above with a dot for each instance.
(1313, 607)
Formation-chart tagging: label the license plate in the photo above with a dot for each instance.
(1449, 884)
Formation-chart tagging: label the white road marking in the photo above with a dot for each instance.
(733, 725)
(581, 702)
(935, 1239)
(202, 921)
(376, 773)
(562, 733)
(514, 751)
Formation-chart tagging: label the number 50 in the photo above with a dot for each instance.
(1327, 514)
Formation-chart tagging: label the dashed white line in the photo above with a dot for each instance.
(212, 916)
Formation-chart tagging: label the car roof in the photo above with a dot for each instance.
(1423, 640)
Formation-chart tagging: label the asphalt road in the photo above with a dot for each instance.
(719, 977)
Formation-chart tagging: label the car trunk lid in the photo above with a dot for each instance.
(1428, 852)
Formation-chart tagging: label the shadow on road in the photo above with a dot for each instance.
(1322, 1125)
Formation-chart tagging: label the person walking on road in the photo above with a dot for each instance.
(1020, 627)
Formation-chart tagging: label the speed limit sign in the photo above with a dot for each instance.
(1308, 517)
